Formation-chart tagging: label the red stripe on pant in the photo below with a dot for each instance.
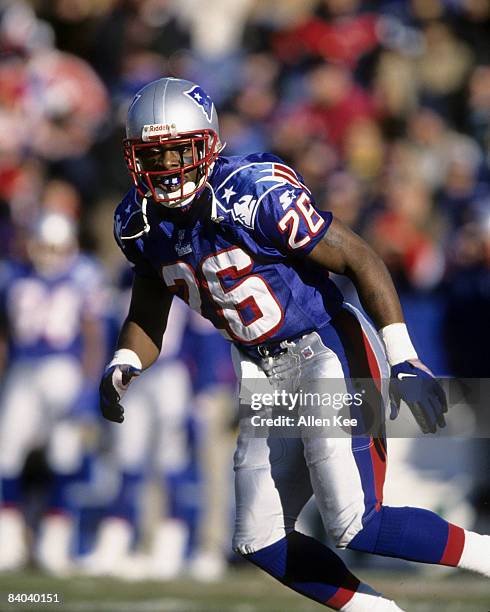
(344, 593)
(378, 451)
(363, 363)
(454, 547)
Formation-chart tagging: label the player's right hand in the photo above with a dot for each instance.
(113, 386)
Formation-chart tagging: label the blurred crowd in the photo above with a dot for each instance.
(382, 106)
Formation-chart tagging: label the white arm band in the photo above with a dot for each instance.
(126, 357)
(397, 343)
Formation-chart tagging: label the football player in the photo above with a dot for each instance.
(51, 308)
(240, 240)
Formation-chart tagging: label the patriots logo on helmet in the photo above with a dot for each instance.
(201, 98)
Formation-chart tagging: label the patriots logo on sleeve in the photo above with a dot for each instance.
(285, 174)
(129, 222)
(244, 210)
(259, 178)
(201, 98)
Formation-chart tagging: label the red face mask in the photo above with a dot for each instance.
(172, 169)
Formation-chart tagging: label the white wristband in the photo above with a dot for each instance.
(397, 343)
(126, 357)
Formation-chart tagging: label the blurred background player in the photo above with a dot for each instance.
(154, 445)
(54, 339)
(213, 382)
(174, 453)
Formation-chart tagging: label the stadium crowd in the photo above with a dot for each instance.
(383, 107)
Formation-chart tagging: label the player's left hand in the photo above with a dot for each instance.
(412, 382)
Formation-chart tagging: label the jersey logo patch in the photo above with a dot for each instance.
(243, 210)
(201, 99)
(287, 198)
(267, 176)
(182, 248)
(307, 352)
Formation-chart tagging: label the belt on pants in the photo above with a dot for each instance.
(272, 349)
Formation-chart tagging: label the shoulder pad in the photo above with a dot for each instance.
(129, 218)
(240, 192)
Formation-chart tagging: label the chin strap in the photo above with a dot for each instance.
(144, 204)
(214, 205)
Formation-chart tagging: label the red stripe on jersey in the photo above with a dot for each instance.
(287, 178)
(344, 593)
(360, 355)
(286, 173)
(372, 361)
(286, 170)
(454, 547)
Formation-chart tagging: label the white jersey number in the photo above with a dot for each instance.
(37, 313)
(291, 222)
(250, 293)
(182, 274)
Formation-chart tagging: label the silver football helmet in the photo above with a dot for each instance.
(52, 244)
(172, 140)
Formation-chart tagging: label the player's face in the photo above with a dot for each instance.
(169, 159)
(172, 169)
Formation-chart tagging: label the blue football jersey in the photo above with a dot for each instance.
(242, 270)
(43, 315)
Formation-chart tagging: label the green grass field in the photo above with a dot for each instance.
(244, 590)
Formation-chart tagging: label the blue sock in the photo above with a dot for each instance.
(11, 493)
(125, 504)
(411, 533)
(59, 497)
(308, 567)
